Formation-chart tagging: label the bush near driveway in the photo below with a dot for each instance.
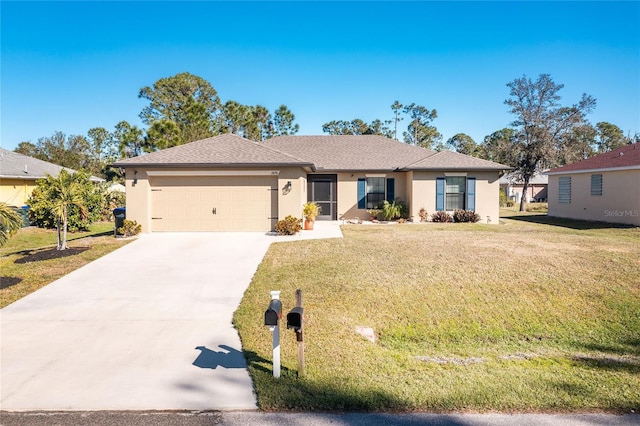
(468, 317)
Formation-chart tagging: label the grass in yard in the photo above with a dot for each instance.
(524, 316)
(30, 260)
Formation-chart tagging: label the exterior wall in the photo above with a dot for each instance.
(348, 193)
(290, 201)
(15, 192)
(534, 192)
(487, 194)
(138, 188)
(619, 202)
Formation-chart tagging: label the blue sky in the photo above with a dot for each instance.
(71, 66)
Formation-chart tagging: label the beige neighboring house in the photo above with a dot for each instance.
(536, 190)
(19, 174)
(604, 188)
(228, 183)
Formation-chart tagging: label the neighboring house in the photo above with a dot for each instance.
(19, 174)
(605, 187)
(228, 183)
(536, 190)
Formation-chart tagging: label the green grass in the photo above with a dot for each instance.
(29, 260)
(531, 315)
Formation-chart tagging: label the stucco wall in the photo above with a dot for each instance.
(619, 202)
(348, 193)
(423, 194)
(138, 187)
(15, 192)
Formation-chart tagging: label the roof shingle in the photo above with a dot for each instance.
(18, 166)
(626, 157)
(226, 150)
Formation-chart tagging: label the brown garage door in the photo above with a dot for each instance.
(213, 203)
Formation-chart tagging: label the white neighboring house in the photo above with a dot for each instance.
(536, 191)
(604, 188)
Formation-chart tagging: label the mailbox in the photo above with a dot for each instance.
(273, 313)
(294, 319)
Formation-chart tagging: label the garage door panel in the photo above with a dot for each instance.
(238, 203)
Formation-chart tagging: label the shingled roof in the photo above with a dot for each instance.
(226, 150)
(627, 157)
(362, 152)
(449, 160)
(320, 153)
(18, 166)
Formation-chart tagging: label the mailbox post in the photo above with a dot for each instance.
(295, 320)
(272, 317)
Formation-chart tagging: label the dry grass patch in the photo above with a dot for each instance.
(30, 260)
(518, 317)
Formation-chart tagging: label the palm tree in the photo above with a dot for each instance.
(64, 193)
(10, 222)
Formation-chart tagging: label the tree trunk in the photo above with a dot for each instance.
(59, 239)
(64, 234)
(525, 188)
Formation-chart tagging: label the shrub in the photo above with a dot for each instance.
(424, 216)
(129, 228)
(503, 199)
(441, 216)
(289, 225)
(393, 210)
(42, 207)
(465, 216)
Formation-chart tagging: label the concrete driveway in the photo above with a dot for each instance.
(145, 327)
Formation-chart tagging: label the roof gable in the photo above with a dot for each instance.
(627, 156)
(223, 150)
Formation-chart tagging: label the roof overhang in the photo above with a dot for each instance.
(605, 169)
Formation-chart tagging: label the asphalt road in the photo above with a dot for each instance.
(253, 418)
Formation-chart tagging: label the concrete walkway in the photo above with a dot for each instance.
(147, 327)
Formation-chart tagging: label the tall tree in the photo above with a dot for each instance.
(397, 109)
(283, 122)
(28, 149)
(357, 127)
(464, 144)
(541, 123)
(187, 100)
(163, 134)
(420, 132)
(499, 147)
(609, 137)
(129, 139)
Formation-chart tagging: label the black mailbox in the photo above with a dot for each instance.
(294, 319)
(273, 313)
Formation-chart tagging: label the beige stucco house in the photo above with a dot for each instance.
(19, 174)
(228, 183)
(604, 188)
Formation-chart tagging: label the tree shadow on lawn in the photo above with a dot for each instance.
(568, 223)
(48, 254)
(6, 282)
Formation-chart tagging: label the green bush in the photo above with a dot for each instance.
(503, 198)
(129, 228)
(393, 210)
(41, 206)
(289, 226)
(441, 216)
(465, 216)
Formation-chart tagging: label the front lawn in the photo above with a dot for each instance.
(530, 315)
(30, 260)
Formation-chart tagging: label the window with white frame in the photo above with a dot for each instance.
(455, 193)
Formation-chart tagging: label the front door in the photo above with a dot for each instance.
(323, 189)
